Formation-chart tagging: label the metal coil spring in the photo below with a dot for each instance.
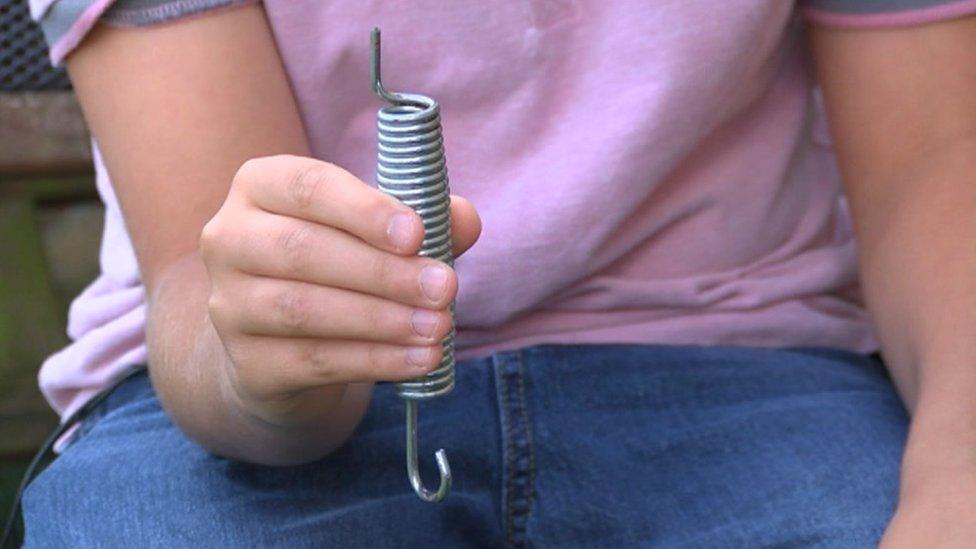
(411, 167)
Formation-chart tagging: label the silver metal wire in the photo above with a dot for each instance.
(411, 167)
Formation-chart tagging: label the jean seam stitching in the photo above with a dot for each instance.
(518, 492)
(530, 488)
(509, 461)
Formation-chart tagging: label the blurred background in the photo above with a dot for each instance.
(50, 228)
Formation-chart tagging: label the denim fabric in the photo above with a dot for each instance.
(553, 446)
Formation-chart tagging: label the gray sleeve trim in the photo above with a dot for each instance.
(874, 6)
(59, 17)
(138, 13)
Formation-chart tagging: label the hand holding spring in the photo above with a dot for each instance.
(411, 167)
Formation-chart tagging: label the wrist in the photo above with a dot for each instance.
(941, 447)
(289, 431)
(193, 373)
(279, 413)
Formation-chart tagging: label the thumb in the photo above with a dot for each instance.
(465, 224)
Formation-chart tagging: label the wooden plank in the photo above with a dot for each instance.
(42, 132)
(45, 157)
(25, 292)
(21, 435)
(32, 324)
(45, 188)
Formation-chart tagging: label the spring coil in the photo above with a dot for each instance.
(411, 167)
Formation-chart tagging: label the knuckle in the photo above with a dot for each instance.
(247, 171)
(307, 183)
(294, 243)
(383, 270)
(375, 317)
(291, 308)
(318, 357)
(376, 359)
(219, 310)
(215, 304)
(212, 237)
(325, 364)
(248, 167)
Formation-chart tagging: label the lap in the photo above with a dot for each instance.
(715, 447)
(135, 478)
(610, 445)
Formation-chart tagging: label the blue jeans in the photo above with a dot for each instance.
(552, 446)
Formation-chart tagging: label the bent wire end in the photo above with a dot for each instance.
(413, 471)
(374, 70)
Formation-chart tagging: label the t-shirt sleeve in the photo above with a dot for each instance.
(66, 22)
(883, 13)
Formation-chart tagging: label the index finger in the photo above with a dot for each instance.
(324, 193)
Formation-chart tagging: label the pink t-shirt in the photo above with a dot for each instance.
(647, 172)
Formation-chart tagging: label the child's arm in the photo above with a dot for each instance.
(264, 348)
(902, 107)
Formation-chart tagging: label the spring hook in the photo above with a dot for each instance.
(411, 167)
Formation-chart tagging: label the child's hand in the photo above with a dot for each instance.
(315, 282)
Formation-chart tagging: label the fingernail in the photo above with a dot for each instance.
(400, 230)
(419, 356)
(424, 322)
(433, 282)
